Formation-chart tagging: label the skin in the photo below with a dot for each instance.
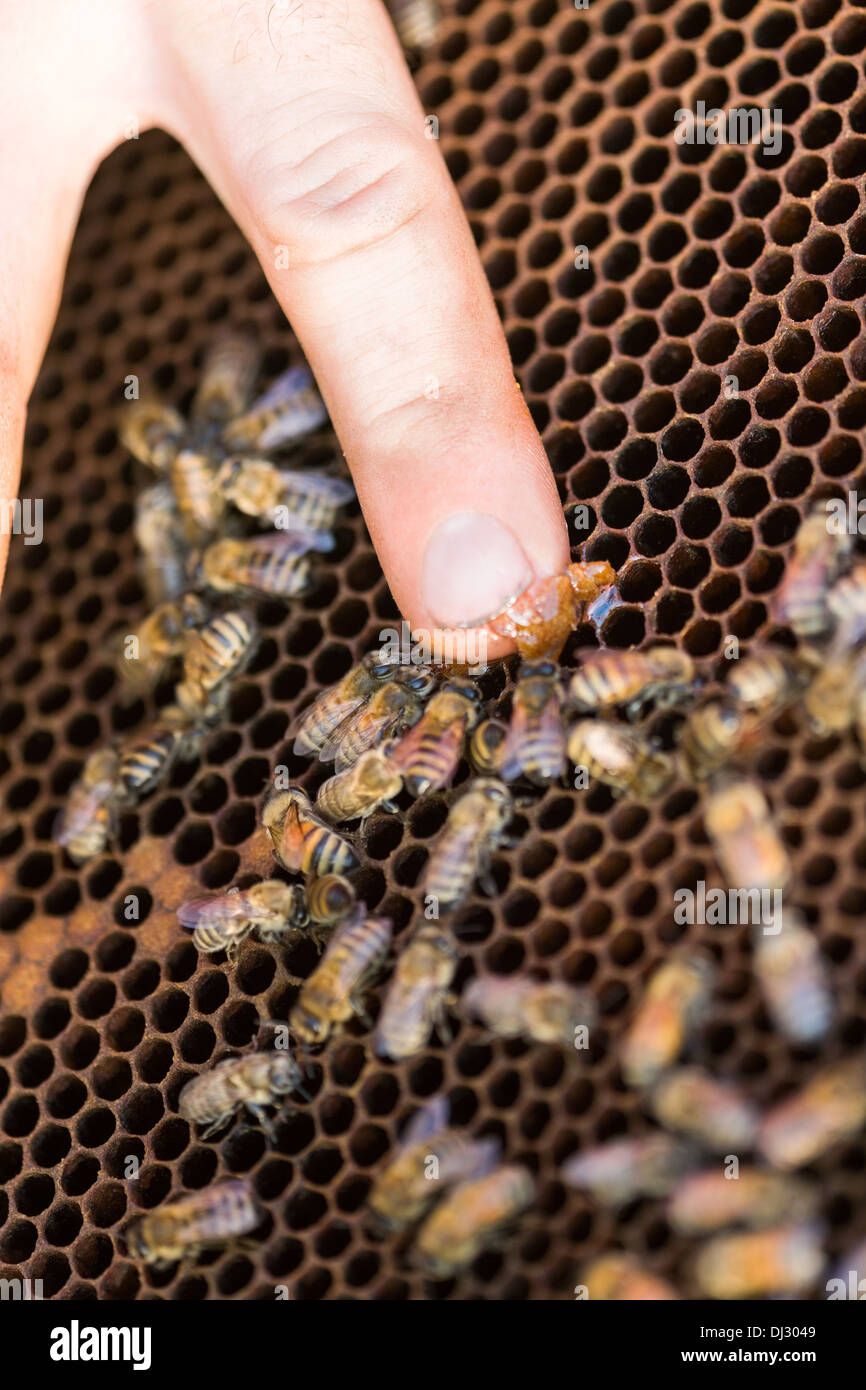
(304, 118)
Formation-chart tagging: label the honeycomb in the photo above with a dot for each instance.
(703, 262)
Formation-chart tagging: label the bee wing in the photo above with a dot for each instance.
(227, 378)
(339, 710)
(549, 730)
(217, 908)
(289, 408)
(337, 491)
(479, 1160)
(511, 756)
(431, 1119)
(295, 540)
(374, 727)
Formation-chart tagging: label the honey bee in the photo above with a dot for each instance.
(540, 619)
(830, 701)
(371, 782)
(514, 1006)
(193, 1223)
(160, 544)
(675, 999)
(254, 1082)
(485, 746)
(147, 759)
(620, 1279)
(619, 758)
(793, 978)
(691, 1102)
(213, 654)
(758, 1264)
(828, 1109)
(709, 1201)
(276, 565)
(802, 600)
(744, 838)
(258, 488)
(222, 921)
(535, 746)
(85, 823)
(390, 710)
(714, 734)
(291, 407)
(428, 754)
(417, 996)
(335, 990)
(302, 842)
(764, 682)
(316, 725)
(617, 1173)
(846, 602)
(152, 431)
(405, 1191)
(475, 826)
(159, 642)
(416, 22)
(472, 1215)
(200, 506)
(609, 680)
(330, 899)
(227, 378)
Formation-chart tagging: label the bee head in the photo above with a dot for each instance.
(466, 688)
(420, 680)
(228, 474)
(546, 669)
(309, 1027)
(378, 667)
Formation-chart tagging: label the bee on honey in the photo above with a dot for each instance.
(764, 682)
(608, 680)
(689, 1101)
(475, 827)
(802, 600)
(160, 542)
(827, 1110)
(390, 710)
(213, 654)
(674, 1002)
(760, 1264)
(276, 565)
(316, 725)
(227, 379)
(146, 759)
(330, 900)
(535, 746)
(428, 754)
(335, 991)
(713, 735)
(301, 841)
(222, 921)
(514, 1006)
(417, 995)
(257, 487)
(619, 1172)
(84, 824)
(793, 979)
(289, 408)
(152, 431)
(830, 701)
(159, 642)
(540, 619)
(193, 1223)
(355, 794)
(756, 1197)
(620, 758)
(485, 746)
(409, 1185)
(471, 1216)
(620, 1279)
(255, 1082)
(745, 840)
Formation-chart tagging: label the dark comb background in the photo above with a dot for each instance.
(557, 126)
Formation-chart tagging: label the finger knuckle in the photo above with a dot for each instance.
(359, 187)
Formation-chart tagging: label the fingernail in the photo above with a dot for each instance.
(474, 566)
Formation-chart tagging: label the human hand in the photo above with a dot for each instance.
(303, 116)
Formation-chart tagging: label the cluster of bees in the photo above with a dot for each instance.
(389, 730)
(200, 551)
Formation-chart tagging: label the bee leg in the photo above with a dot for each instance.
(215, 1126)
(266, 1123)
